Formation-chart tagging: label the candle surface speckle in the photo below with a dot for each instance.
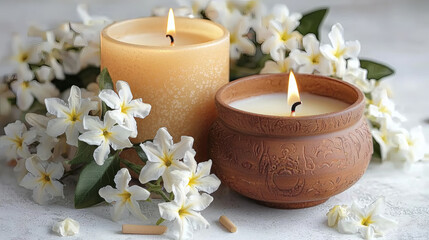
(275, 104)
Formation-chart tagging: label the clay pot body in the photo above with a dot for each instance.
(290, 162)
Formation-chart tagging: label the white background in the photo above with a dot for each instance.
(395, 32)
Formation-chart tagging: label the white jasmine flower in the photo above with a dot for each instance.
(197, 177)
(45, 74)
(336, 214)
(384, 136)
(357, 76)
(124, 198)
(163, 157)
(337, 68)
(46, 142)
(67, 227)
(89, 36)
(195, 5)
(62, 34)
(71, 61)
(310, 60)
(69, 116)
(339, 49)
(52, 49)
(82, 10)
(381, 106)
(283, 65)
(219, 11)
(26, 89)
(248, 7)
(22, 54)
(124, 107)
(19, 170)
(105, 134)
(184, 210)
(178, 12)
(17, 139)
(279, 13)
(42, 178)
(239, 26)
(5, 94)
(369, 220)
(409, 146)
(283, 38)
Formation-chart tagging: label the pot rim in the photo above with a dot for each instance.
(295, 126)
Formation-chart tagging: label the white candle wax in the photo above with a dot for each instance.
(159, 39)
(276, 104)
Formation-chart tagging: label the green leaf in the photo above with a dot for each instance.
(82, 79)
(84, 154)
(311, 22)
(136, 168)
(105, 82)
(140, 152)
(376, 70)
(160, 220)
(92, 178)
(377, 150)
(248, 65)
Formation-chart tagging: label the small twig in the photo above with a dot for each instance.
(71, 172)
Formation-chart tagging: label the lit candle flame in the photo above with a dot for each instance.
(292, 92)
(293, 98)
(171, 26)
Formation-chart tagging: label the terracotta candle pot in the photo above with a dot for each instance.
(290, 162)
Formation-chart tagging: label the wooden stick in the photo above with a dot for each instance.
(227, 224)
(143, 229)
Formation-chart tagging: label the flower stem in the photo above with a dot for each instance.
(71, 172)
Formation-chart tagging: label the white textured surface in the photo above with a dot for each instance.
(395, 32)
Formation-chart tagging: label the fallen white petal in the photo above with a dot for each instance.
(68, 227)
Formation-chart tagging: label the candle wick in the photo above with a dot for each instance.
(171, 39)
(293, 108)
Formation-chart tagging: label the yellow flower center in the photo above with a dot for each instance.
(339, 53)
(384, 109)
(106, 133)
(232, 39)
(193, 180)
(22, 57)
(195, 7)
(285, 36)
(73, 116)
(18, 141)
(45, 179)
(25, 84)
(230, 6)
(384, 138)
(183, 211)
(167, 159)
(250, 6)
(124, 108)
(315, 59)
(366, 221)
(126, 196)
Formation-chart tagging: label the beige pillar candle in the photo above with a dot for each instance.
(179, 81)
